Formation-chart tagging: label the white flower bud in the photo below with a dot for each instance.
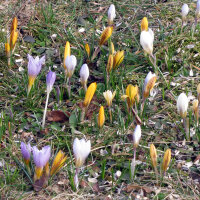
(84, 74)
(184, 10)
(136, 136)
(182, 105)
(111, 14)
(70, 63)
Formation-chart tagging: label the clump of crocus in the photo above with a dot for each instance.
(184, 13)
(146, 37)
(101, 117)
(106, 34)
(111, 14)
(118, 58)
(70, 63)
(166, 160)
(81, 150)
(26, 153)
(195, 108)
(153, 154)
(197, 12)
(87, 49)
(10, 45)
(136, 139)
(41, 160)
(58, 162)
(34, 67)
(109, 96)
(88, 97)
(51, 77)
(84, 74)
(66, 53)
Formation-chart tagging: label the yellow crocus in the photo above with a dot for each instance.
(110, 63)
(7, 49)
(112, 48)
(101, 117)
(144, 24)
(166, 160)
(89, 94)
(67, 52)
(118, 58)
(195, 108)
(153, 154)
(87, 49)
(58, 162)
(14, 25)
(149, 83)
(106, 34)
(13, 39)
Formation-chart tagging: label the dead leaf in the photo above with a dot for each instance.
(41, 183)
(57, 116)
(44, 131)
(132, 187)
(83, 184)
(96, 187)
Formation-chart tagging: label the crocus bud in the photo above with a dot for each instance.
(84, 74)
(7, 49)
(112, 48)
(40, 158)
(136, 136)
(87, 49)
(184, 11)
(51, 77)
(26, 152)
(146, 41)
(149, 83)
(166, 160)
(109, 96)
(110, 63)
(81, 150)
(105, 35)
(89, 94)
(13, 39)
(111, 14)
(101, 117)
(195, 108)
(153, 154)
(197, 13)
(118, 58)
(70, 63)
(34, 67)
(198, 91)
(58, 162)
(182, 105)
(67, 52)
(144, 24)
(14, 25)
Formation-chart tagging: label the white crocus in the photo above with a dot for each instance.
(146, 41)
(81, 150)
(182, 105)
(136, 136)
(111, 14)
(184, 13)
(109, 96)
(84, 74)
(197, 13)
(70, 63)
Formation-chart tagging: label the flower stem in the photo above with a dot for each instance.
(110, 113)
(68, 86)
(133, 164)
(76, 181)
(45, 111)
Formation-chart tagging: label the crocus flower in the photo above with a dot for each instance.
(7, 49)
(50, 80)
(14, 24)
(182, 105)
(67, 52)
(111, 14)
(109, 96)
(106, 34)
(41, 158)
(87, 49)
(13, 39)
(51, 77)
(197, 13)
(84, 74)
(112, 48)
(144, 24)
(166, 160)
(81, 150)
(101, 117)
(184, 12)
(153, 154)
(118, 58)
(70, 63)
(26, 152)
(136, 136)
(58, 162)
(110, 63)
(195, 108)
(149, 83)
(89, 94)
(34, 67)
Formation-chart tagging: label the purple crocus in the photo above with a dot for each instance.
(26, 152)
(51, 77)
(34, 67)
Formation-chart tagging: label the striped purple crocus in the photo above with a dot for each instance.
(40, 158)
(34, 67)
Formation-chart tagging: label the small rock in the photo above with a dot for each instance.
(29, 38)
